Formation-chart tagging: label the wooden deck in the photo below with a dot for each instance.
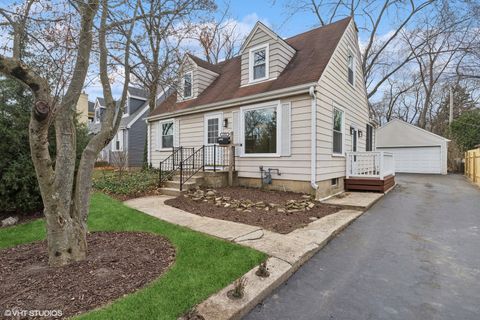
(370, 184)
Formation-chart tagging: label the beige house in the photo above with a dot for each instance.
(295, 106)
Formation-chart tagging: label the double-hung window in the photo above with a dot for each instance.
(258, 63)
(338, 118)
(260, 130)
(350, 67)
(187, 85)
(166, 131)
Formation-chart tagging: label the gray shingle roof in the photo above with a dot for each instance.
(138, 92)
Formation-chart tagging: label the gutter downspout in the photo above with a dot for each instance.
(313, 158)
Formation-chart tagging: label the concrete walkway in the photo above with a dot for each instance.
(287, 252)
(414, 255)
(293, 248)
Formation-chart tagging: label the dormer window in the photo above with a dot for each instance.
(351, 66)
(258, 63)
(187, 85)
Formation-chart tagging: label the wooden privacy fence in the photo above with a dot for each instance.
(472, 165)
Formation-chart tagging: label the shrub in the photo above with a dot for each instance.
(19, 191)
(129, 183)
(100, 164)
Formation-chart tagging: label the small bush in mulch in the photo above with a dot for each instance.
(262, 270)
(238, 290)
(118, 263)
(127, 185)
(278, 211)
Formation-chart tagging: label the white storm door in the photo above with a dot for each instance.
(213, 153)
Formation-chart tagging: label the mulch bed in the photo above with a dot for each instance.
(117, 263)
(280, 222)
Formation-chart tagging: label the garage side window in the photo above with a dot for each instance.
(337, 131)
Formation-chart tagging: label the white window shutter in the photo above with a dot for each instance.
(176, 133)
(158, 130)
(236, 131)
(286, 134)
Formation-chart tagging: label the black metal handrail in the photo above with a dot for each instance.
(186, 162)
(212, 157)
(170, 165)
(167, 166)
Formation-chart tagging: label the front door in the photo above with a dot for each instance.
(213, 153)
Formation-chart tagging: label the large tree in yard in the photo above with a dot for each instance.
(50, 55)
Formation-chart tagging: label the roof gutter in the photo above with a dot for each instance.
(313, 158)
(304, 88)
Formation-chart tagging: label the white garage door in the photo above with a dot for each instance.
(417, 160)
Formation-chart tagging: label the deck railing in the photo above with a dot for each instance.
(370, 164)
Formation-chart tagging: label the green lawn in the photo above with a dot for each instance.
(203, 264)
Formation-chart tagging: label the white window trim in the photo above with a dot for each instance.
(119, 136)
(267, 63)
(350, 54)
(208, 116)
(276, 104)
(159, 135)
(183, 85)
(334, 154)
(97, 119)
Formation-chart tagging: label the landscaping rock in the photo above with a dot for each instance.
(10, 221)
(210, 194)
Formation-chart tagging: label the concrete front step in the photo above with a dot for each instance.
(174, 192)
(196, 178)
(176, 185)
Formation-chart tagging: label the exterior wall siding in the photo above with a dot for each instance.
(134, 104)
(293, 167)
(334, 90)
(203, 79)
(136, 138)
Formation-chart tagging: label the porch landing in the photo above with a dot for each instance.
(369, 184)
(357, 200)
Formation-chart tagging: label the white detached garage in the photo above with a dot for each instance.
(415, 150)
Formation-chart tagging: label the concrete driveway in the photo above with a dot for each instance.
(414, 255)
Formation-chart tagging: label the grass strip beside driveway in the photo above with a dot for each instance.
(203, 264)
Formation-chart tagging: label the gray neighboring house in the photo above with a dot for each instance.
(129, 142)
